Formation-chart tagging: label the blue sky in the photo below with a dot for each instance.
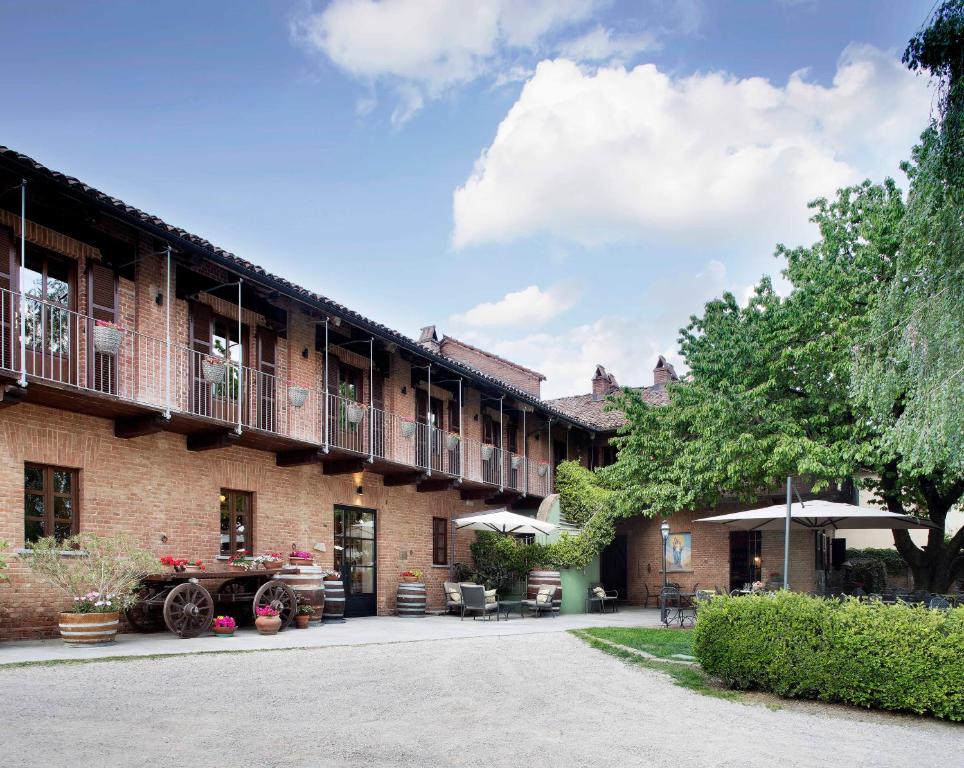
(562, 181)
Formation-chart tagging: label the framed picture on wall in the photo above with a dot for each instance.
(679, 552)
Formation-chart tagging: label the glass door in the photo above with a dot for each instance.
(355, 558)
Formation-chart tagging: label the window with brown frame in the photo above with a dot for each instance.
(49, 502)
(237, 522)
(440, 541)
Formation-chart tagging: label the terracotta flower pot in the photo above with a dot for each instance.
(89, 628)
(301, 620)
(268, 625)
(409, 579)
(193, 568)
(301, 561)
(224, 631)
(237, 568)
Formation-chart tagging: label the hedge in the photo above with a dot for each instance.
(898, 657)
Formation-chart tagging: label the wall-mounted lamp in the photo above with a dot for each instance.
(404, 390)
(223, 498)
(757, 560)
(163, 538)
(360, 490)
(475, 417)
(304, 353)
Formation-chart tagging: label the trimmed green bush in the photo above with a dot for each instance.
(896, 657)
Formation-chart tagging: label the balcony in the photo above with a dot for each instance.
(147, 384)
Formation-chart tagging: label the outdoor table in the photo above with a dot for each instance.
(178, 600)
(505, 606)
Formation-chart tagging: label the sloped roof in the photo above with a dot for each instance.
(491, 355)
(29, 167)
(587, 408)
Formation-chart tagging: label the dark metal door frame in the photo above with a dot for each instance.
(364, 604)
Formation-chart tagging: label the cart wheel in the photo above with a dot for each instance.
(145, 614)
(232, 598)
(188, 610)
(280, 596)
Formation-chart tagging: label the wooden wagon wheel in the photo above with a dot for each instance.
(232, 598)
(280, 596)
(145, 615)
(188, 610)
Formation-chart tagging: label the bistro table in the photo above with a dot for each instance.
(506, 606)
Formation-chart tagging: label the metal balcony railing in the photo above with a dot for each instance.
(63, 347)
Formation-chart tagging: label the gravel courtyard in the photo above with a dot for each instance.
(530, 700)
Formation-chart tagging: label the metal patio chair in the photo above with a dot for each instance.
(473, 601)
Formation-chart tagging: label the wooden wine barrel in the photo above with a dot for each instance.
(410, 600)
(545, 578)
(334, 600)
(88, 628)
(308, 584)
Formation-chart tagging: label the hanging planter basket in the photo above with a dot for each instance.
(212, 372)
(107, 339)
(486, 451)
(297, 395)
(451, 441)
(516, 462)
(407, 429)
(543, 470)
(355, 413)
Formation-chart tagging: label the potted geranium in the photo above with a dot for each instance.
(407, 427)
(107, 337)
(301, 557)
(99, 579)
(486, 451)
(412, 576)
(213, 369)
(224, 626)
(543, 468)
(175, 563)
(240, 562)
(297, 395)
(194, 566)
(267, 619)
(328, 575)
(305, 612)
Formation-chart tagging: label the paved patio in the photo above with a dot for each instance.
(362, 631)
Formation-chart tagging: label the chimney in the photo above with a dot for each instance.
(664, 373)
(429, 338)
(603, 383)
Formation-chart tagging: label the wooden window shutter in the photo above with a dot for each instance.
(267, 385)
(454, 416)
(201, 316)
(378, 390)
(332, 374)
(8, 304)
(102, 292)
(7, 260)
(267, 342)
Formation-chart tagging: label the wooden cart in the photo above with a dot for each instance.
(179, 601)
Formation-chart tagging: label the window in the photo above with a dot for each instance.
(49, 502)
(237, 522)
(440, 541)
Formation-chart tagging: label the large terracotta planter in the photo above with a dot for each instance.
(89, 628)
(268, 625)
(224, 631)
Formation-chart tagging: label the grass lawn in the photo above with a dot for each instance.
(659, 641)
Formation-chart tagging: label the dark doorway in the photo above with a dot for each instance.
(613, 566)
(355, 558)
(745, 562)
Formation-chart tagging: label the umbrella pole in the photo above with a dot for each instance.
(786, 536)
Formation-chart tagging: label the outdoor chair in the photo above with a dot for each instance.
(473, 601)
(453, 597)
(704, 595)
(598, 594)
(939, 603)
(543, 602)
(674, 609)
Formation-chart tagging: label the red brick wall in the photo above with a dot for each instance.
(152, 486)
(711, 555)
(502, 370)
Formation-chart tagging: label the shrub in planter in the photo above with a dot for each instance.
(304, 615)
(99, 577)
(898, 657)
(107, 337)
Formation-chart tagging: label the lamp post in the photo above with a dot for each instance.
(664, 531)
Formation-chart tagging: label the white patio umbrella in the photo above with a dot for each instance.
(812, 515)
(504, 521)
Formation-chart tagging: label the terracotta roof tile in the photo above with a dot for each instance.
(587, 409)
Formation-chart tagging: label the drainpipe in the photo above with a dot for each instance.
(167, 335)
(371, 400)
(240, 362)
(23, 294)
(325, 409)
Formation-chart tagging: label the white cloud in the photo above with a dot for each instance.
(530, 306)
(429, 46)
(623, 155)
(602, 44)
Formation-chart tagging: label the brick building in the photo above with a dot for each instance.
(234, 409)
(711, 556)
